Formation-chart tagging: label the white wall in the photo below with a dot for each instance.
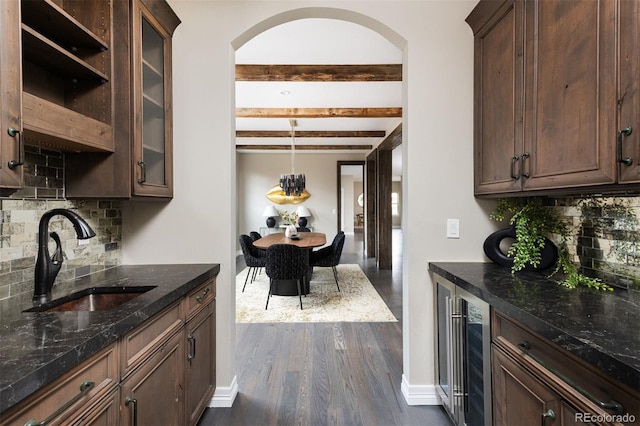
(199, 225)
(257, 173)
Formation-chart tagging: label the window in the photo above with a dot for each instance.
(394, 204)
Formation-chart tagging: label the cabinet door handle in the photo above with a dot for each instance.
(85, 387)
(611, 405)
(522, 158)
(549, 414)
(201, 297)
(132, 401)
(514, 160)
(13, 133)
(143, 172)
(621, 133)
(192, 347)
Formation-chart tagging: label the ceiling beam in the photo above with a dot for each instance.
(392, 141)
(310, 134)
(391, 112)
(304, 147)
(374, 72)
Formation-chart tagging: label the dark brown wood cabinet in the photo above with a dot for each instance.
(161, 372)
(549, 111)
(498, 112)
(628, 151)
(200, 371)
(153, 393)
(11, 153)
(142, 162)
(537, 382)
(55, 80)
(520, 398)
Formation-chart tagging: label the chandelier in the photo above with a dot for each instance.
(293, 184)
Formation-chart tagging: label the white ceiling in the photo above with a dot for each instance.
(318, 41)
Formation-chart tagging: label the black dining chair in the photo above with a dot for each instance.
(286, 262)
(255, 235)
(303, 229)
(254, 258)
(329, 256)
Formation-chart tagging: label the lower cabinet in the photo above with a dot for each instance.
(160, 373)
(520, 398)
(535, 382)
(200, 371)
(153, 393)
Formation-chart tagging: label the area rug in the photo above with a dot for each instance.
(357, 300)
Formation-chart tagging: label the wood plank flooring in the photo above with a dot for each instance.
(326, 373)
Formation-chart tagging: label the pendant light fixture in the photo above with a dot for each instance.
(293, 184)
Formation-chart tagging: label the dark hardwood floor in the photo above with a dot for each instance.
(327, 373)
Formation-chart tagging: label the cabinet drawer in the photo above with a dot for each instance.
(585, 387)
(101, 370)
(139, 344)
(200, 297)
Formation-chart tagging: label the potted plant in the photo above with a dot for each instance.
(291, 218)
(532, 225)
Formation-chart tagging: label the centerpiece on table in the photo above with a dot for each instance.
(291, 218)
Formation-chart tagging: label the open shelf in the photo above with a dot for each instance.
(46, 53)
(55, 23)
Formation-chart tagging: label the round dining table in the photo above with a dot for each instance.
(305, 240)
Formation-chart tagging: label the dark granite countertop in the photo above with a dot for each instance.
(37, 348)
(602, 328)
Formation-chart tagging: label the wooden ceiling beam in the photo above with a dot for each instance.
(311, 134)
(327, 73)
(304, 147)
(392, 141)
(392, 112)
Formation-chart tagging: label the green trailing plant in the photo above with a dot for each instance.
(533, 222)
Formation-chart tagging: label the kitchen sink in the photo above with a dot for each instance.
(92, 299)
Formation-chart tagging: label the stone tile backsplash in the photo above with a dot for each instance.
(19, 221)
(606, 237)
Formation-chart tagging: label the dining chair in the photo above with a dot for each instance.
(255, 235)
(254, 258)
(329, 256)
(286, 262)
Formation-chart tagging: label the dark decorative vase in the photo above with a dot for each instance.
(491, 246)
(271, 222)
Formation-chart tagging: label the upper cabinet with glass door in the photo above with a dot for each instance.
(154, 23)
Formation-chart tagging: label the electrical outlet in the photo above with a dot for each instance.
(453, 228)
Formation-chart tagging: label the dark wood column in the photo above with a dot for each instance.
(370, 205)
(384, 209)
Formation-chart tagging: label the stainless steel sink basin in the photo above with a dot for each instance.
(92, 299)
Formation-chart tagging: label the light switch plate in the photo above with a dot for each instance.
(453, 228)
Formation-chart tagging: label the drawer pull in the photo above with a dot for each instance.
(132, 401)
(610, 406)
(549, 414)
(85, 387)
(201, 297)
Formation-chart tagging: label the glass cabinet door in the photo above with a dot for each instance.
(152, 106)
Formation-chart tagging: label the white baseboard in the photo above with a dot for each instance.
(419, 394)
(223, 397)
